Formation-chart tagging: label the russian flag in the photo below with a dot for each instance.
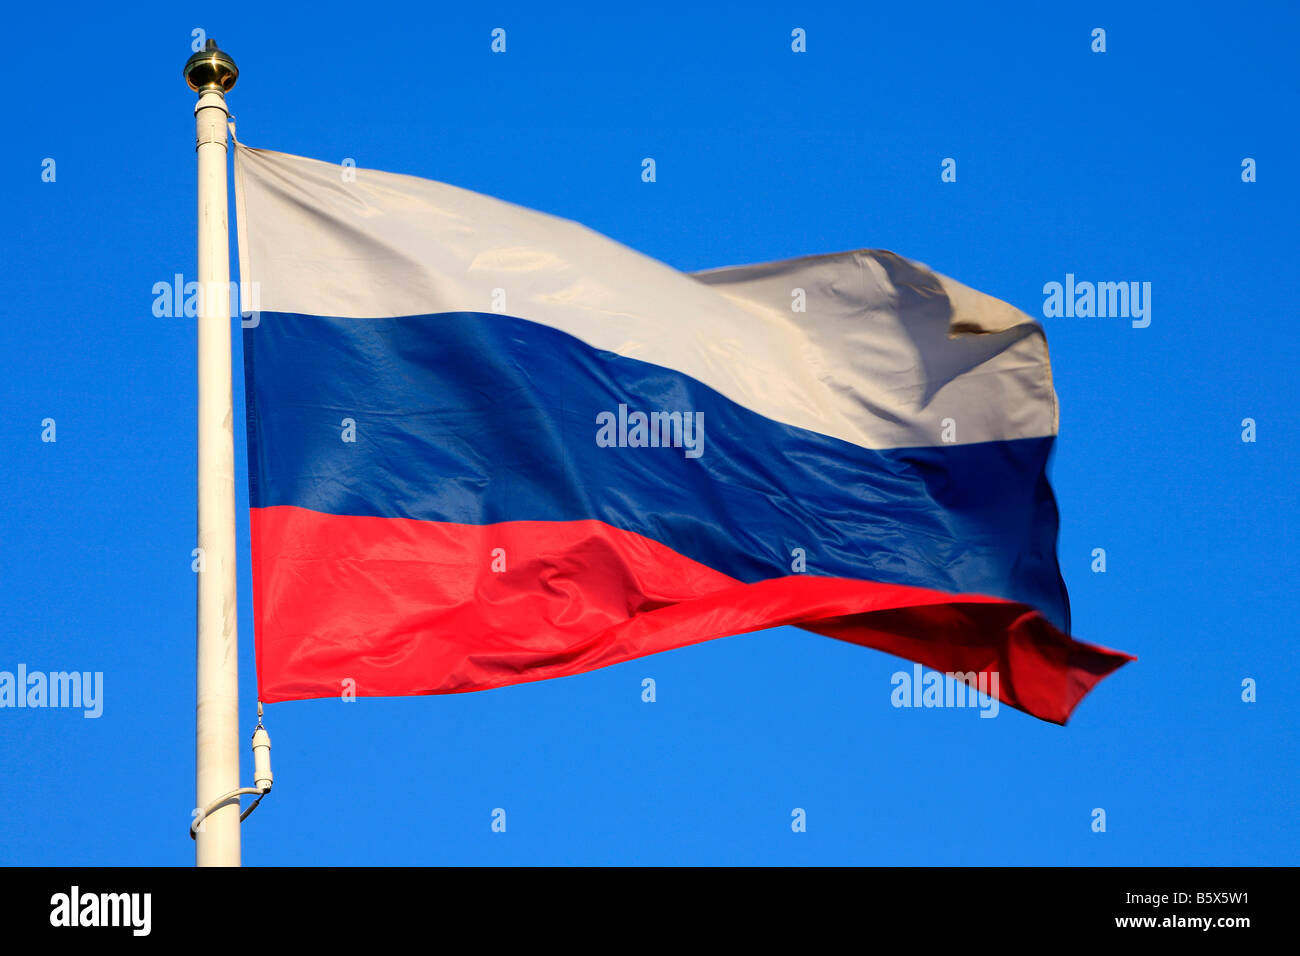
(487, 445)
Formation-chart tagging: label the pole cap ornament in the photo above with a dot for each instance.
(211, 70)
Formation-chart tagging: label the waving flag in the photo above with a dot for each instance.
(488, 445)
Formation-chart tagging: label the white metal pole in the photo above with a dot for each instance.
(210, 73)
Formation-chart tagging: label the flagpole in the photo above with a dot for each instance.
(211, 73)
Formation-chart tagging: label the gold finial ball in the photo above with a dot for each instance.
(211, 70)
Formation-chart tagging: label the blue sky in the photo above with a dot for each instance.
(1123, 165)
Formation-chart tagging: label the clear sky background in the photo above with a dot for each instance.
(1117, 166)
